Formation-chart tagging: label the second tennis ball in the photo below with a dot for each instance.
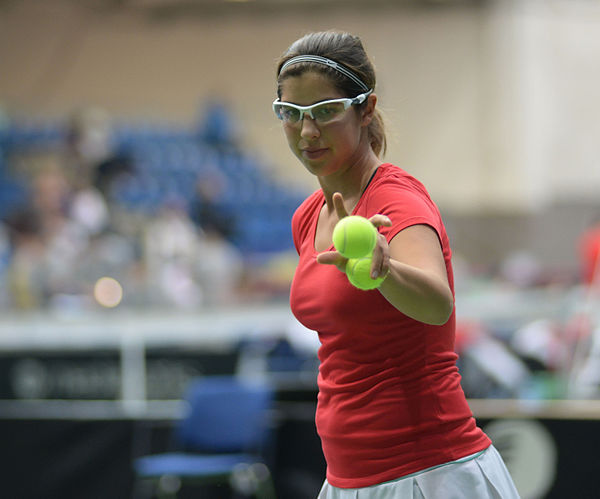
(354, 236)
(358, 271)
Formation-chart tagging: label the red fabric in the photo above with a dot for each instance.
(589, 250)
(390, 401)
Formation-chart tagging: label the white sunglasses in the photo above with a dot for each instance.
(321, 112)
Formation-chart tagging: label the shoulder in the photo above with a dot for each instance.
(403, 198)
(394, 186)
(392, 177)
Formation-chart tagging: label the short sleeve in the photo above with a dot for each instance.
(406, 203)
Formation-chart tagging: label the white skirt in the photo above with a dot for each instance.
(482, 475)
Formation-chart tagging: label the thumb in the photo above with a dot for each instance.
(332, 258)
(328, 257)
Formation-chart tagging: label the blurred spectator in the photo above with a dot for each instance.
(91, 156)
(521, 269)
(50, 234)
(584, 326)
(541, 344)
(50, 197)
(589, 253)
(171, 245)
(65, 239)
(489, 369)
(219, 264)
(189, 266)
(89, 211)
(206, 209)
(88, 142)
(26, 271)
(216, 126)
(220, 268)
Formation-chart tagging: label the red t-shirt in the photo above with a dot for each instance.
(390, 401)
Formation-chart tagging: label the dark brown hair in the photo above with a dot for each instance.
(345, 49)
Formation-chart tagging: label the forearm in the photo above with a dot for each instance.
(418, 293)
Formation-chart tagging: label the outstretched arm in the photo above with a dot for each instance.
(417, 282)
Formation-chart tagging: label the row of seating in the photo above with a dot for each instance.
(167, 162)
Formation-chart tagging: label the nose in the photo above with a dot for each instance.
(309, 127)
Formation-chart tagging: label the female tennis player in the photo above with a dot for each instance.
(392, 417)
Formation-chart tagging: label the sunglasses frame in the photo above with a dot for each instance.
(359, 99)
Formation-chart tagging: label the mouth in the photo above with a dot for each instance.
(313, 153)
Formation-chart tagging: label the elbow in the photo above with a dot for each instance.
(442, 317)
(441, 312)
(432, 306)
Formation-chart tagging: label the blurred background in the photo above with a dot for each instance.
(146, 192)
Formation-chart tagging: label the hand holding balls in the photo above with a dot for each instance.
(358, 271)
(355, 237)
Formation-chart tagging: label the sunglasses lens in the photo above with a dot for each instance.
(287, 113)
(327, 112)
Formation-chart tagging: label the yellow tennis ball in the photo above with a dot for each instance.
(358, 271)
(354, 236)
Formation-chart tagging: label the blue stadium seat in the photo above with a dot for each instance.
(223, 434)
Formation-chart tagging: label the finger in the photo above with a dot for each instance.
(332, 258)
(380, 258)
(380, 221)
(328, 257)
(376, 265)
(338, 204)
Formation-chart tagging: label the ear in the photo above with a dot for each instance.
(368, 110)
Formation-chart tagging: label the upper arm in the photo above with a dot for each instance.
(419, 246)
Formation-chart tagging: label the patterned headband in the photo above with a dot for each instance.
(326, 62)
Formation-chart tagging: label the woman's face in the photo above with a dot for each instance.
(322, 148)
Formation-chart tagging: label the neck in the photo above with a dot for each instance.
(350, 183)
